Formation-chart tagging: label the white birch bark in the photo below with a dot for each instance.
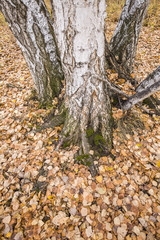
(30, 23)
(148, 87)
(79, 29)
(125, 38)
(152, 78)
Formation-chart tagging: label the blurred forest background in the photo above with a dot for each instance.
(114, 8)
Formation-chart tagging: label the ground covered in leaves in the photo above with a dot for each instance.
(44, 194)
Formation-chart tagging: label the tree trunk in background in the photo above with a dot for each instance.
(30, 23)
(145, 89)
(125, 38)
(79, 29)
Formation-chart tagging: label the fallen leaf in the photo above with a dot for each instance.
(99, 179)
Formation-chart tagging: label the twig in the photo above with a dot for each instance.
(59, 144)
(113, 88)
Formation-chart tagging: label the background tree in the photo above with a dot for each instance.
(125, 37)
(30, 22)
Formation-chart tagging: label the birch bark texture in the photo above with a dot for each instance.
(31, 25)
(79, 29)
(125, 37)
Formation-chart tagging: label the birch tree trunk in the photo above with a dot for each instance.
(30, 23)
(125, 38)
(79, 29)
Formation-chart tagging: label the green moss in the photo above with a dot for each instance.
(83, 156)
(30, 125)
(45, 105)
(115, 101)
(88, 163)
(89, 132)
(66, 144)
(84, 160)
(98, 139)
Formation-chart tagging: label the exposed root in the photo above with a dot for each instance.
(87, 160)
(85, 143)
(53, 120)
(128, 124)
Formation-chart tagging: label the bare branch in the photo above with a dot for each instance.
(148, 87)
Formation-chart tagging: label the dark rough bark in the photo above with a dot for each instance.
(118, 67)
(125, 38)
(30, 23)
(145, 89)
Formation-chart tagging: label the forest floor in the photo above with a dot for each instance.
(44, 194)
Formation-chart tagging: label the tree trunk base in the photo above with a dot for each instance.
(100, 141)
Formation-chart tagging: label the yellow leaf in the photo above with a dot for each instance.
(158, 163)
(138, 145)
(49, 143)
(50, 197)
(99, 179)
(132, 75)
(14, 101)
(76, 170)
(121, 80)
(109, 168)
(8, 235)
(155, 118)
(105, 159)
(50, 148)
(58, 129)
(56, 139)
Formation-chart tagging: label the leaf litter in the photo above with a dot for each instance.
(44, 194)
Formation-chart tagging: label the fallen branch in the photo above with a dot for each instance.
(147, 88)
(149, 81)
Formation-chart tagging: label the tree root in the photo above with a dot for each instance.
(53, 120)
(128, 124)
(87, 160)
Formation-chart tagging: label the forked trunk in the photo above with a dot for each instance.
(30, 23)
(125, 38)
(79, 28)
